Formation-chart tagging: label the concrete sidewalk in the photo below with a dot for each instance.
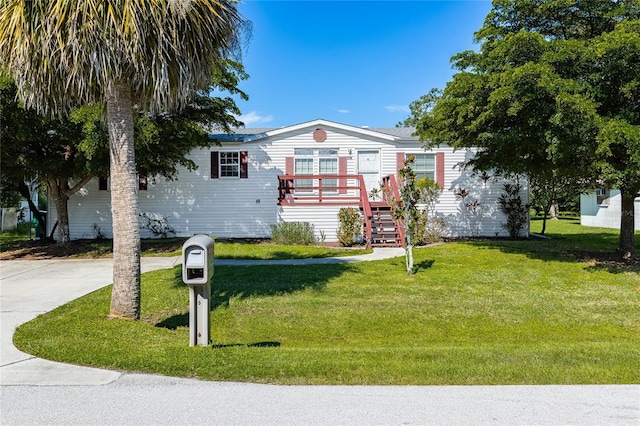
(38, 392)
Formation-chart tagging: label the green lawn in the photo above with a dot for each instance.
(537, 311)
(16, 244)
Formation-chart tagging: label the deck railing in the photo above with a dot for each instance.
(327, 190)
(320, 189)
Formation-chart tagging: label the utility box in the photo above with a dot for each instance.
(197, 272)
(197, 267)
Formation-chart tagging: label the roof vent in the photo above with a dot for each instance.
(319, 135)
(365, 127)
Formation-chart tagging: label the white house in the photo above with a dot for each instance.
(247, 184)
(603, 209)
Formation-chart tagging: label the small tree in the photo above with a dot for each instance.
(417, 223)
(405, 210)
(512, 206)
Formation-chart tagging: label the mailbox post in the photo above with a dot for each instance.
(197, 272)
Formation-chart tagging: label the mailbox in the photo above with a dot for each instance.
(197, 264)
(197, 271)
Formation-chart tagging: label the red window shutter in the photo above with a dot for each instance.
(342, 170)
(288, 166)
(244, 164)
(288, 170)
(440, 169)
(214, 165)
(400, 157)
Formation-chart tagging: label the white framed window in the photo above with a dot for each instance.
(424, 165)
(328, 166)
(303, 166)
(229, 164)
(311, 161)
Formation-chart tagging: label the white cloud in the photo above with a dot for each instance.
(397, 108)
(253, 117)
(343, 111)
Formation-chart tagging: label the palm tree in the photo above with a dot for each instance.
(153, 54)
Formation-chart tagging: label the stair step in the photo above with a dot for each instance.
(384, 231)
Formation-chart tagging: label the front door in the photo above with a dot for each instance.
(369, 168)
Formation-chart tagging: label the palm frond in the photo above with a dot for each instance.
(64, 53)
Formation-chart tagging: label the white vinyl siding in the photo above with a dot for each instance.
(603, 209)
(199, 203)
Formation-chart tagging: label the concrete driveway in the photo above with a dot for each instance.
(36, 391)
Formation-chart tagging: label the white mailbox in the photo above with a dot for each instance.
(197, 267)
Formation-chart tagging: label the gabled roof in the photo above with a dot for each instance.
(253, 134)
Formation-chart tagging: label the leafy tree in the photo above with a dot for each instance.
(554, 94)
(420, 108)
(65, 153)
(155, 54)
(35, 148)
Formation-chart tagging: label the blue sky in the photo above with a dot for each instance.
(352, 61)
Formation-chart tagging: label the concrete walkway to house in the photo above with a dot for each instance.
(36, 391)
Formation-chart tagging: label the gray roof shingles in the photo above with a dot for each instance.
(249, 134)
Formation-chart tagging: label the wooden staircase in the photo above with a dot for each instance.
(384, 232)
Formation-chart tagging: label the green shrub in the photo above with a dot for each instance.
(293, 233)
(350, 226)
(511, 204)
(430, 229)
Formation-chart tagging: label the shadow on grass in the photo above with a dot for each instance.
(425, 264)
(596, 250)
(249, 345)
(242, 282)
(172, 323)
(231, 282)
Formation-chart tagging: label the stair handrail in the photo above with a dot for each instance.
(390, 185)
(365, 204)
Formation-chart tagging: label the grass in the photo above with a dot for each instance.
(556, 311)
(16, 244)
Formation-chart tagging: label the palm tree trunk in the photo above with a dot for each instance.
(627, 225)
(125, 296)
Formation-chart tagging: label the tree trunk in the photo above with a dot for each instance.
(23, 189)
(627, 225)
(408, 238)
(125, 295)
(409, 259)
(554, 211)
(60, 199)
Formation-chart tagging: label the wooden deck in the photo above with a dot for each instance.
(379, 230)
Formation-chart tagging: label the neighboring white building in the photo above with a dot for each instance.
(603, 209)
(241, 187)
